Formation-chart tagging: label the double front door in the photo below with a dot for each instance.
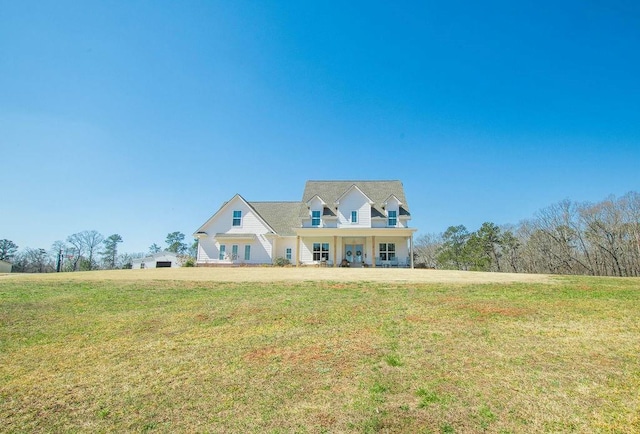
(354, 253)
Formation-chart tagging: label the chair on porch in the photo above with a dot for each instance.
(407, 263)
(378, 261)
(394, 261)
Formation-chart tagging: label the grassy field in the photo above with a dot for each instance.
(308, 352)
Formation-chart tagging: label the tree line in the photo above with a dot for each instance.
(84, 251)
(598, 239)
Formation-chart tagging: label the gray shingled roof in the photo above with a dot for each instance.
(283, 217)
(378, 192)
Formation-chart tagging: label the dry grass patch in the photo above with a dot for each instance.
(164, 355)
(290, 274)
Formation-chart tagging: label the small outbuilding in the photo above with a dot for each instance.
(158, 260)
(5, 267)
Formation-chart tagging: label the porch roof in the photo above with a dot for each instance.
(232, 236)
(355, 232)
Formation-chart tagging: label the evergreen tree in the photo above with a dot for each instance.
(175, 243)
(8, 249)
(452, 253)
(110, 253)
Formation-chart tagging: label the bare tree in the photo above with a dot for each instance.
(600, 238)
(511, 246)
(33, 261)
(58, 250)
(93, 240)
(426, 250)
(85, 246)
(76, 250)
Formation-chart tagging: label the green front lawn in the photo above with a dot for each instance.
(165, 356)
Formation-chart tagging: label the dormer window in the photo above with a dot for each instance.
(315, 218)
(354, 216)
(237, 218)
(393, 218)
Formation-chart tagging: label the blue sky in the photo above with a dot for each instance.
(141, 117)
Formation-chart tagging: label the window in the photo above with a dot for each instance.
(288, 253)
(223, 250)
(234, 252)
(354, 216)
(387, 251)
(320, 251)
(315, 218)
(247, 252)
(237, 218)
(393, 218)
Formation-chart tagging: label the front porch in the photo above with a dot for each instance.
(358, 247)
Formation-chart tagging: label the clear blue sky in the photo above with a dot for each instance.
(142, 117)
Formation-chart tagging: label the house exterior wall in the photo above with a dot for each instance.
(223, 223)
(209, 250)
(354, 200)
(284, 243)
(379, 223)
(261, 246)
(402, 247)
(370, 245)
(306, 248)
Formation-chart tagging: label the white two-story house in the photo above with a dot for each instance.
(337, 223)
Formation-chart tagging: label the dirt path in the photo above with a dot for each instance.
(274, 274)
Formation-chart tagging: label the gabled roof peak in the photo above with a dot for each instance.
(324, 203)
(348, 190)
(390, 197)
(377, 191)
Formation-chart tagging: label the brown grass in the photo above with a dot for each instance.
(293, 274)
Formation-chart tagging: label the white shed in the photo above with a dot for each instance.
(158, 260)
(5, 267)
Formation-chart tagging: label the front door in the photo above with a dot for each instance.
(354, 254)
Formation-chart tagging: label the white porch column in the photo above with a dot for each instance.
(373, 251)
(411, 249)
(273, 250)
(335, 250)
(298, 251)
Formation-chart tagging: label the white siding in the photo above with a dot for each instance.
(314, 205)
(202, 255)
(261, 246)
(306, 248)
(354, 201)
(379, 223)
(393, 205)
(282, 244)
(150, 261)
(402, 247)
(330, 222)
